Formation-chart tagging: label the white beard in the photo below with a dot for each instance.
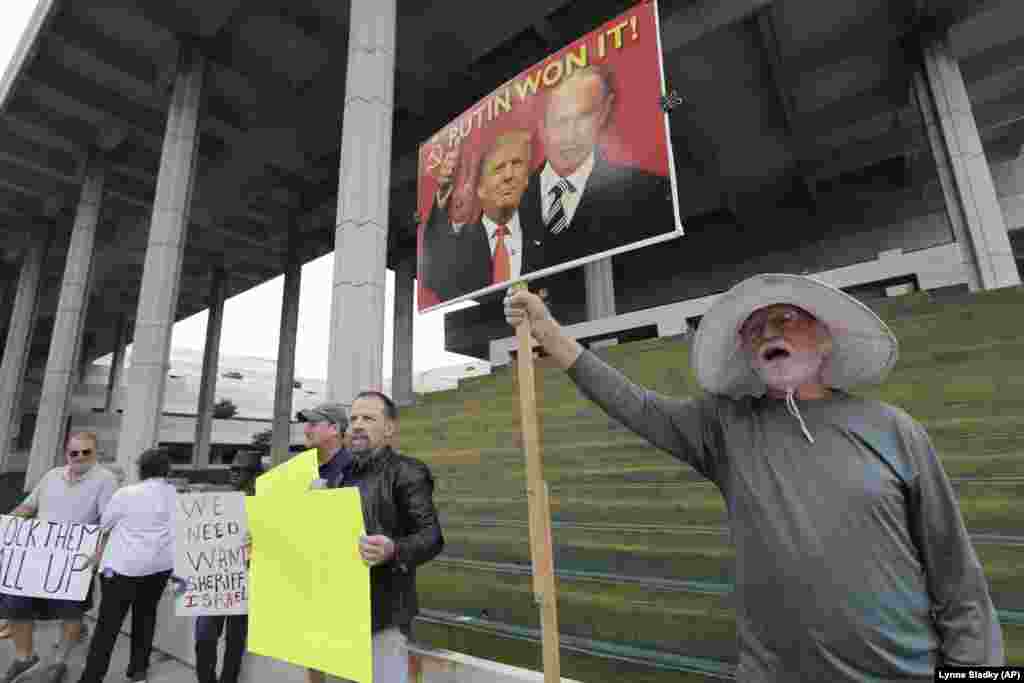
(797, 369)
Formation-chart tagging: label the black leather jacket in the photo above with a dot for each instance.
(398, 502)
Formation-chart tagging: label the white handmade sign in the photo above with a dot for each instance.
(44, 559)
(210, 556)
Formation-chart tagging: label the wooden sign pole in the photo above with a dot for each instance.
(540, 510)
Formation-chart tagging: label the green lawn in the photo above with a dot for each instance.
(1013, 640)
(684, 555)
(684, 623)
(986, 507)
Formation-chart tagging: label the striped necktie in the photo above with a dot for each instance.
(557, 220)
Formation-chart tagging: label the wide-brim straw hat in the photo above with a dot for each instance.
(864, 349)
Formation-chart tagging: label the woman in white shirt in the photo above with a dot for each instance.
(137, 559)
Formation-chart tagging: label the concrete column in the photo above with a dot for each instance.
(62, 363)
(208, 378)
(84, 355)
(401, 366)
(361, 234)
(600, 283)
(971, 201)
(283, 389)
(19, 339)
(158, 297)
(116, 363)
(8, 288)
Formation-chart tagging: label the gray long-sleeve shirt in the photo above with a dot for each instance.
(852, 559)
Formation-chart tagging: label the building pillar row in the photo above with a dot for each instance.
(211, 360)
(158, 296)
(402, 366)
(280, 438)
(19, 338)
(63, 360)
(361, 234)
(964, 173)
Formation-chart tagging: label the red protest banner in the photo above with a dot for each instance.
(566, 163)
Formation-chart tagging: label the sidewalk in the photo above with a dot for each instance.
(162, 668)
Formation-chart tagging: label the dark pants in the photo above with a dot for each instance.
(208, 630)
(141, 594)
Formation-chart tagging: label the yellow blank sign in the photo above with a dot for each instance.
(294, 476)
(309, 590)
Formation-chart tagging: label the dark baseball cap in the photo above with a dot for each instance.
(325, 412)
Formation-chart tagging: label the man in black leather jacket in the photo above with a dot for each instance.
(403, 531)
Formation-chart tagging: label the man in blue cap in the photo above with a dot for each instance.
(324, 429)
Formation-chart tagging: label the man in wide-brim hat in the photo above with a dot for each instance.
(852, 559)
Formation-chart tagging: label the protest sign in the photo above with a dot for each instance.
(570, 161)
(310, 597)
(45, 559)
(567, 163)
(294, 476)
(211, 531)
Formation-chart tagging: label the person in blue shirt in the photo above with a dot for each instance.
(324, 429)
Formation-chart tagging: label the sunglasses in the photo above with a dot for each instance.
(85, 453)
(755, 325)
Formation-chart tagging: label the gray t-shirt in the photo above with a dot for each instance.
(56, 499)
(852, 559)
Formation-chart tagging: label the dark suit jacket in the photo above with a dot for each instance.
(619, 205)
(456, 264)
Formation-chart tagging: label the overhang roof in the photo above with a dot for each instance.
(779, 97)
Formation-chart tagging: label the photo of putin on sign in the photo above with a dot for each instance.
(579, 203)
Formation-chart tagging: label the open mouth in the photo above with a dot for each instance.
(774, 353)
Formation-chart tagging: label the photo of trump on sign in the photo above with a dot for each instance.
(567, 163)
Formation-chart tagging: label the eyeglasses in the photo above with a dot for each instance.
(788, 319)
(85, 453)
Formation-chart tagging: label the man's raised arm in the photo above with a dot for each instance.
(688, 429)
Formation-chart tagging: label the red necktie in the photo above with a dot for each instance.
(501, 266)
